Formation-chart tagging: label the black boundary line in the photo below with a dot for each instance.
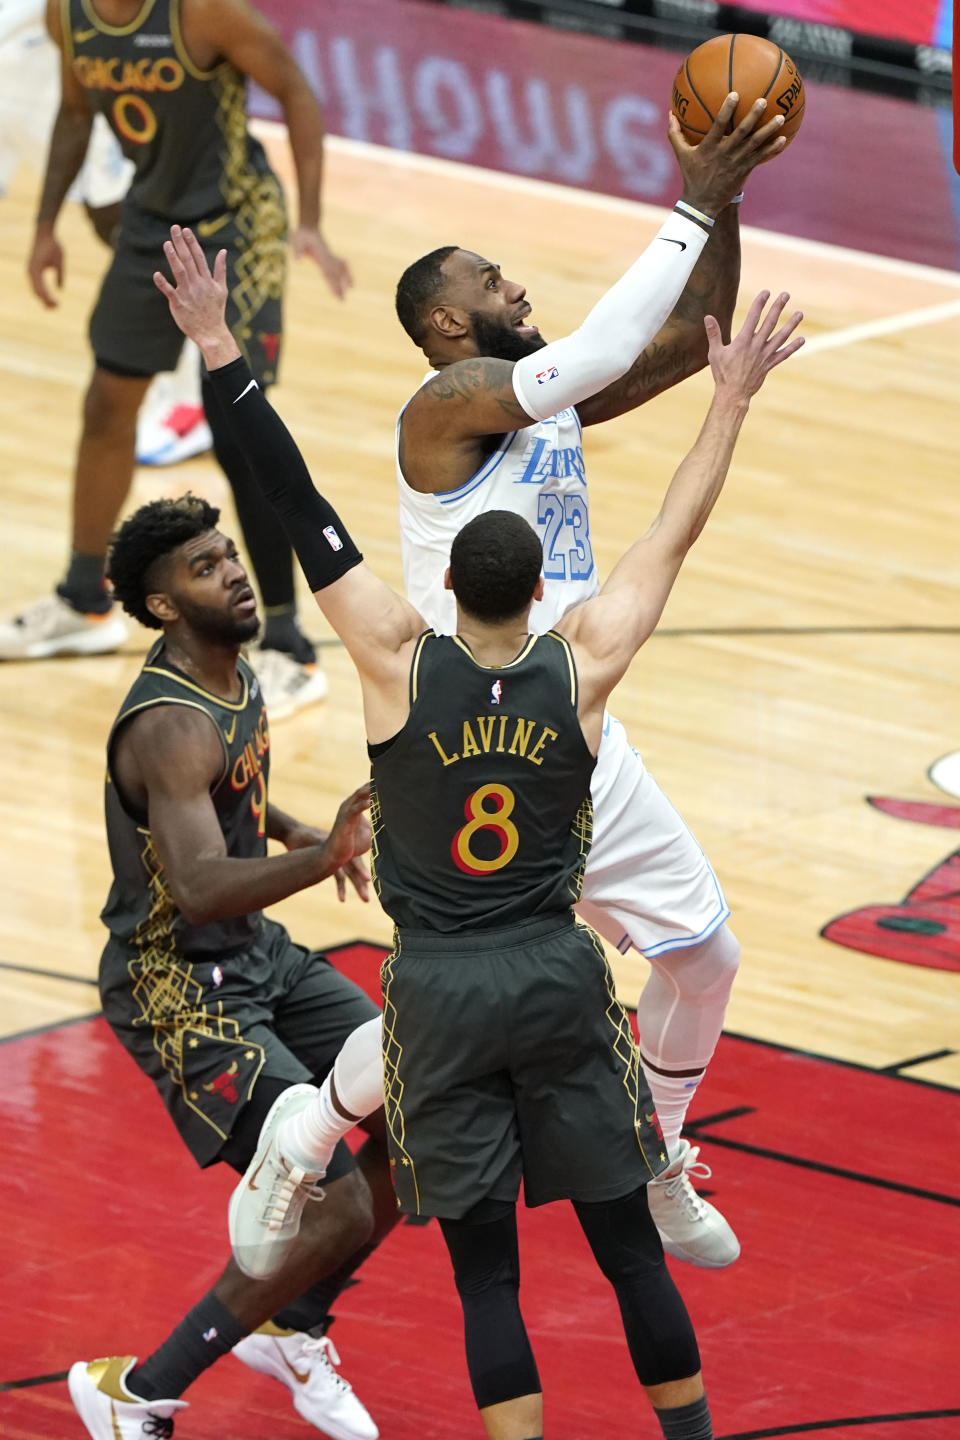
(808, 1427)
(835, 1060)
(48, 974)
(823, 1168)
(54, 1025)
(32, 1380)
(899, 1065)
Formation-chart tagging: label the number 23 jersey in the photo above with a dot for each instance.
(536, 472)
(480, 805)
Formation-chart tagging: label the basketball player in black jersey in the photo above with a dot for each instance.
(214, 1002)
(170, 78)
(505, 1051)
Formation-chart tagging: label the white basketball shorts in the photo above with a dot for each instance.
(648, 885)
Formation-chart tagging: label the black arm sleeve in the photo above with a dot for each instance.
(322, 545)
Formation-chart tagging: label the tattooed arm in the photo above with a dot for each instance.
(455, 420)
(680, 347)
(68, 146)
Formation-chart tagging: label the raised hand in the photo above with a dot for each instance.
(757, 347)
(197, 298)
(715, 170)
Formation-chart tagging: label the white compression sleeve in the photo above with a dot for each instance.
(618, 328)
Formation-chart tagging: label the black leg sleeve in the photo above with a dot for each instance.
(486, 1267)
(264, 536)
(627, 1248)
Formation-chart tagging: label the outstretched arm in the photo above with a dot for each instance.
(377, 626)
(679, 348)
(608, 630)
(484, 396)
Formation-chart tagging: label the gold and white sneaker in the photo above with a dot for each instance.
(109, 1410)
(287, 685)
(308, 1369)
(52, 627)
(690, 1227)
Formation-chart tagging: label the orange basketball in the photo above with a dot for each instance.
(753, 67)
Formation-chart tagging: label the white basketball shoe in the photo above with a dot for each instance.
(109, 1410)
(51, 627)
(265, 1208)
(307, 1367)
(690, 1227)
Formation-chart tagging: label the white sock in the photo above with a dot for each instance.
(309, 1139)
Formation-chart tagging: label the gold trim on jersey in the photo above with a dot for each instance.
(217, 699)
(169, 998)
(142, 15)
(376, 829)
(393, 1086)
(565, 643)
(624, 1047)
(582, 828)
(187, 705)
(522, 655)
(415, 665)
(66, 28)
(183, 55)
(256, 199)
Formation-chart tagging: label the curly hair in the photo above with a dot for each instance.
(419, 285)
(495, 563)
(148, 536)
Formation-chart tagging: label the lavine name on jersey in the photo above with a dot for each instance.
(496, 735)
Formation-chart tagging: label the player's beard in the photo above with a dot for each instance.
(219, 626)
(502, 342)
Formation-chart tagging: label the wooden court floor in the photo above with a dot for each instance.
(806, 661)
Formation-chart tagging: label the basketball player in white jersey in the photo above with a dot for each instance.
(498, 425)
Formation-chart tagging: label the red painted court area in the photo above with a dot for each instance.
(843, 1184)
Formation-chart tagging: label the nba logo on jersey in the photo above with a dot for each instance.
(550, 374)
(333, 539)
(496, 690)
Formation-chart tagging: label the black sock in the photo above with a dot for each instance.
(686, 1422)
(202, 1336)
(312, 1310)
(264, 536)
(83, 586)
(281, 632)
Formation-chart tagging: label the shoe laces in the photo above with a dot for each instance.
(323, 1350)
(679, 1187)
(285, 1186)
(159, 1426)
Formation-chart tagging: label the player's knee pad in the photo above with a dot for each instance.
(705, 971)
(483, 1249)
(627, 1248)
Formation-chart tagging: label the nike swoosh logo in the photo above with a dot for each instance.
(229, 734)
(210, 227)
(681, 243)
(301, 1379)
(80, 35)
(250, 385)
(250, 1184)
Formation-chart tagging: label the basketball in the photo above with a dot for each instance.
(755, 68)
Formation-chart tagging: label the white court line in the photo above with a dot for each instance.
(615, 204)
(909, 320)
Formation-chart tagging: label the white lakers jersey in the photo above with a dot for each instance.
(537, 473)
